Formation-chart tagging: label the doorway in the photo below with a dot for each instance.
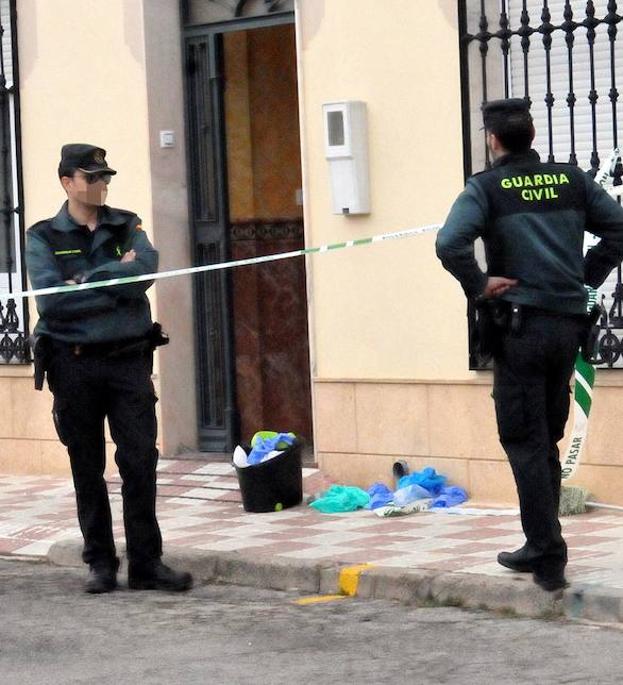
(246, 201)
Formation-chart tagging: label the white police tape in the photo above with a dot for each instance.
(396, 235)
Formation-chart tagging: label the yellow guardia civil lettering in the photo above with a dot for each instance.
(535, 187)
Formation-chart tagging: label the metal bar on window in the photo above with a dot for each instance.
(505, 35)
(525, 31)
(465, 96)
(590, 22)
(6, 207)
(546, 29)
(569, 27)
(612, 19)
(483, 37)
(13, 344)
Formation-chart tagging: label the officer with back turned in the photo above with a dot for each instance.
(97, 348)
(532, 217)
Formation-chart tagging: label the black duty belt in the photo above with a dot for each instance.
(112, 349)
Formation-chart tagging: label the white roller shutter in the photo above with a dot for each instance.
(560, 80)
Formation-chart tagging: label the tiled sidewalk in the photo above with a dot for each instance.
(199, 508)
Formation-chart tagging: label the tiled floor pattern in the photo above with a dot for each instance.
(199, 507)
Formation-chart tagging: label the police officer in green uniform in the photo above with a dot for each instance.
(97, 347)
(532, 217)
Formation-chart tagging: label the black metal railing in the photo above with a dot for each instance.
(566, 65)
(13, 338)
(206, 11)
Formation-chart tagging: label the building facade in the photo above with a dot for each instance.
(212, 112)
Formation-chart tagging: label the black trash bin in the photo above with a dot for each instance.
(274, 484)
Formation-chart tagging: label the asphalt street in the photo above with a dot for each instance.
(52, 633)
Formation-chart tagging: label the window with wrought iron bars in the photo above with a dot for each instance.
(566, 59)
(13, 314)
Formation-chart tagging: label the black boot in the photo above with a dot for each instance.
(102, 578)
(158, 576)
(519, 560)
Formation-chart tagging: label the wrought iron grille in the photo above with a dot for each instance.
(13, 339)
(564, 58)
(209, 11)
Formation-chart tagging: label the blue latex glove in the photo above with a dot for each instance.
(339, 498)
(428, 479)
(265, 445)
(450, 497)
(380, 495)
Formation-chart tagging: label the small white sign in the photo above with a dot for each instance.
(167, 139)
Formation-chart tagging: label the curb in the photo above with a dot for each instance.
(512, 595)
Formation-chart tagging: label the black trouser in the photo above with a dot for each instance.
(87, 388)
(532, 370)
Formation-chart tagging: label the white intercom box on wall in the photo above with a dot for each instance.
(346, 147)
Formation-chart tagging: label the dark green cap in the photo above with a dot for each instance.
(89, 159)
(497, 111)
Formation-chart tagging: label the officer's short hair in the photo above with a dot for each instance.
(511, 122)
(66, 171)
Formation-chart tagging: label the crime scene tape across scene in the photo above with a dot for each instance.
(54, 290)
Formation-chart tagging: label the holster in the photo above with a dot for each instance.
(42, 353)
(590, 335)
(155, 337)
(492, 319)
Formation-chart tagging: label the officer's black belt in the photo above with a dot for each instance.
(117, 348)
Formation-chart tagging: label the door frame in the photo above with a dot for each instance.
(218, 434)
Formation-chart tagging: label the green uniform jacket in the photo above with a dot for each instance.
(532, 217)
(59, 249)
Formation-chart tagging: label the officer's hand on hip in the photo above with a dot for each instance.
(498, 285)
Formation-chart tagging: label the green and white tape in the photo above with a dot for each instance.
(396, 235)
(584, 372)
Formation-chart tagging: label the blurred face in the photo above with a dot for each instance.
(88, 189)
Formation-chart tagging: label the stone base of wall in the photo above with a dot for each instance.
(42, 458)
(363, 427)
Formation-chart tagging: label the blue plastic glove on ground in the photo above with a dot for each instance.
(380, 495)
(428, 478)
(411, 493)
(339, 498)
(449, 497)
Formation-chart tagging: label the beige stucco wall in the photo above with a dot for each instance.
(85, 78)
(387, 311)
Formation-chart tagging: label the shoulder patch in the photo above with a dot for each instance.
(39, 226)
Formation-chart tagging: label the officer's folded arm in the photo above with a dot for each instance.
(145, 262)
(44, 273)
